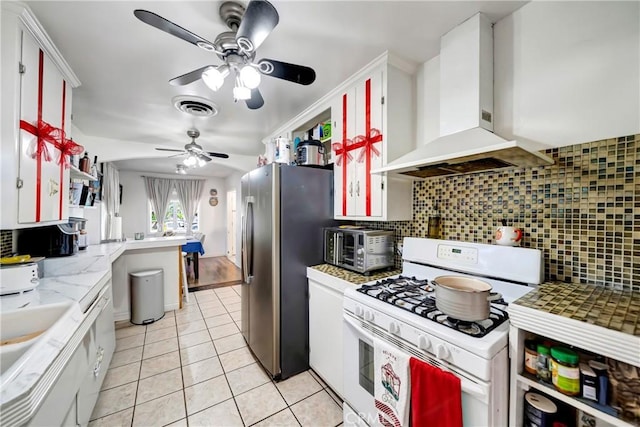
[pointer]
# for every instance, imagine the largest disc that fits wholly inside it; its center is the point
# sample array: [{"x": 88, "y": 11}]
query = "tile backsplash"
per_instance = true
[
  {"x": 6, "y": 242},
  {"x": 583, "y": 212}
]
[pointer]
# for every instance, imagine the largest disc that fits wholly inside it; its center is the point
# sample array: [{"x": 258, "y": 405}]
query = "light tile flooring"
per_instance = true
[{"x": 193, "y": 368}]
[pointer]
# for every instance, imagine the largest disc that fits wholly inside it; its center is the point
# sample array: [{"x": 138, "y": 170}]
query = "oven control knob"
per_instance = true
[
  {"x": 442, "y": 352},
  {"x": 359, "y": 311},
  {"x": 368, "y": 316},
  {"x": 394, "y": 328},
  {"x": 424, "y": 343}
]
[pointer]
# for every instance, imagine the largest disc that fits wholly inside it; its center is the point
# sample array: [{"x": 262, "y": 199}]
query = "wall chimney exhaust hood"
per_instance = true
[{"x": 467, "y": 143}]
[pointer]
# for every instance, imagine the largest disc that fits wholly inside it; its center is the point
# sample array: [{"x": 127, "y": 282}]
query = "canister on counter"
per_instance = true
[
  {"x": 565, "y": 374},
  {"x": 539, "y": 411},
  {"x": 530, "y": 356}
]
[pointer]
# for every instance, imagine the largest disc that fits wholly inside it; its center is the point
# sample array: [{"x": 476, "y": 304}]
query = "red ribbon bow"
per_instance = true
[
  {"x": 366, "y": 142},
  {"x": 67, "y": 148},
  {"x": 342, "y": 150},
  {"x": 44, "y": 133}
]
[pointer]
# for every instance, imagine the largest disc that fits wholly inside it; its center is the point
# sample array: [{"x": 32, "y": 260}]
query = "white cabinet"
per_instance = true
[
  {"x": 383, "y": 91},
  {"x": 36, "y": 88},
  {"x": 325, "y": 328},
  {"x": 373, "y": 122}
]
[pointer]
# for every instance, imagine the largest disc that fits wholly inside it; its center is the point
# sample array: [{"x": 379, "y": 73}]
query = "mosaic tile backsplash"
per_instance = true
[
  {"x": 6, "y": 242},
  {"x": 583, "y": 212}
]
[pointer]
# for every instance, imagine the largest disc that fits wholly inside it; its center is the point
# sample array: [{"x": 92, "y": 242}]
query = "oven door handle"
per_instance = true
[{"x": 466, "y": 385}]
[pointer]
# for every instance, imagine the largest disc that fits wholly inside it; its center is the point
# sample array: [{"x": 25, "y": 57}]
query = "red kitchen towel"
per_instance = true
[{"x": 436, "y": 396}]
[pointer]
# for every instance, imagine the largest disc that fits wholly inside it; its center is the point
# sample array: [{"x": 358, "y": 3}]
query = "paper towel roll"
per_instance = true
[{"x": 116, "y": 228}]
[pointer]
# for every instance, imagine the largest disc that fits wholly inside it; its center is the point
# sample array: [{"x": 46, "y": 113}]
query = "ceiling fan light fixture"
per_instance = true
[
  {"x": 201, "y": 162},
  {"x": 241, "y": 93},
  {"x": 250, "y": 77},
  {"x": 190, "y": 161},
  {"x": 214, "y": 77}
]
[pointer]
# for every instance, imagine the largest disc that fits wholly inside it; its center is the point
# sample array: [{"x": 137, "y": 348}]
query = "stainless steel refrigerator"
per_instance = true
[{"x": 284, "y": 209}]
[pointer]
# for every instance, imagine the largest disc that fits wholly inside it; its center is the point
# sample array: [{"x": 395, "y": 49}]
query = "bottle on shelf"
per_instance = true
[{"x": 85, "y": 163}]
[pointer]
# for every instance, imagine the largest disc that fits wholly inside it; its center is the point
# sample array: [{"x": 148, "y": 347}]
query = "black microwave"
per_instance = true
[{"x": 49, "y": 241}]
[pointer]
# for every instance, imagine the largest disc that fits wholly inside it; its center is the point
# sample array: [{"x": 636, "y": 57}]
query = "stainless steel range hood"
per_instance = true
[{"x": 467, "y": 143}]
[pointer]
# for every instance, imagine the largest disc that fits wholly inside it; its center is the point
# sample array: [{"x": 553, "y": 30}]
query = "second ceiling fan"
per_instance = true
[{"x": 237, "y": 49}]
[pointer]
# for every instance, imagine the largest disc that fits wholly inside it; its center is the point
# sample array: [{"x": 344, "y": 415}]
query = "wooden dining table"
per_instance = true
[{"x": 194, "y": 246}]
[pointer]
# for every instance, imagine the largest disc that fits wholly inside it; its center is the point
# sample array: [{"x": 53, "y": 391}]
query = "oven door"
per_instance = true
[{"x": 359, "y": 379}]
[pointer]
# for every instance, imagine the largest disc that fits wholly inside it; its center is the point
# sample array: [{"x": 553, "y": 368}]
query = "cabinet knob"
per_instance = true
[{"x": 358, "y": 188}]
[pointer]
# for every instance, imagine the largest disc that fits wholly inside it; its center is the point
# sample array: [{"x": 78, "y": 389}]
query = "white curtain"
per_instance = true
[
  {"x": 111, "y": 200},
  {"x": 158, "y": 192},
  {"x": 189, "y": 192}
]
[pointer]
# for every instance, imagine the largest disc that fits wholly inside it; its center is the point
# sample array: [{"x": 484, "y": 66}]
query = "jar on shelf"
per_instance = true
[
  {"x": 565, "y": 373},
  {"x": 530, "y": 356},
  {"x": 542, "y": 364}
]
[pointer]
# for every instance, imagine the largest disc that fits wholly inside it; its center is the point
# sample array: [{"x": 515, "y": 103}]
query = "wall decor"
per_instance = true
[
  {"x": 213, "y": 201},
  {"x": 213, "y": 192}
]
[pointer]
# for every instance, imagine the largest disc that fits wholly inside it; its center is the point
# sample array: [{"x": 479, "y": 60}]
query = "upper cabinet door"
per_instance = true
[
  {"x": 44, "y": 192},
  {"x": 343, "y": 116},
  {"x": 369, "y": 134}
]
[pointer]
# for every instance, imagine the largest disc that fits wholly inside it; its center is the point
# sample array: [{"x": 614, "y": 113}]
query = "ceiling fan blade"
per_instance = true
[
  {"x": 283, "y": 70},
  {"x": 170, "y": 149},
  {"x": 187, "y": 78},
  {"x": 175, "y": 155},
  {"x": 169, "y": 27},
  {"x": 256, "y": 101},
  {"x": 259, "y": 19},
  {"x": 214, "y": 154}
]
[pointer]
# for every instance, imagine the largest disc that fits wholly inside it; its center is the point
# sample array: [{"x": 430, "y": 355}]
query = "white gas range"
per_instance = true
[{"x": 402, "y": 312}]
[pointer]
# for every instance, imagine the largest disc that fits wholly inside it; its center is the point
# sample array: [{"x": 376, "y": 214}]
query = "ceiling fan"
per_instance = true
[
  {"x": 196, "y": 156},
  {"x": 237, "y": 49}
]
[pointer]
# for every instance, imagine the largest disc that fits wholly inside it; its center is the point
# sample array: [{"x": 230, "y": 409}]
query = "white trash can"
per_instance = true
[{"x": 147, "y": 296}]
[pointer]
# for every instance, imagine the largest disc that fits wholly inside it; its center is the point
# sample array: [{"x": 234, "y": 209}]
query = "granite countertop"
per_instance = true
[
  {"x": 352, "y": 276},
  {"x": 612, "y": 309}
]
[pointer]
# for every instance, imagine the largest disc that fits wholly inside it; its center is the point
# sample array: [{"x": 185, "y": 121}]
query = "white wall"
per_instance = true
[
  {"x": 568, "y": 72},
  {"x": 135, "y": 210},
  {"x": 233, "y": 183}
]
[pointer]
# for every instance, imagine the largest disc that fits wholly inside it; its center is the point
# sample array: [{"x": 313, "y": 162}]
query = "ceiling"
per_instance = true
[{"x": 124, "y": 65}]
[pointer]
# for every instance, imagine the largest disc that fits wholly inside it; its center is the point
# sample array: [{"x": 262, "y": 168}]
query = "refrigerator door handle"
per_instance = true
[
  {"x": 246, "y": 274},
  {"x": 249, "y": 237}
]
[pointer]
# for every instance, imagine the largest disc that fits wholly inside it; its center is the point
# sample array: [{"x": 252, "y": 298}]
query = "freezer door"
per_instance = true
[{"x": 264, "y": 286}]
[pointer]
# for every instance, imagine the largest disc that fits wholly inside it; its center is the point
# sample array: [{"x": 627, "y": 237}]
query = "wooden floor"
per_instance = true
[{"x": 215, "y": 272}]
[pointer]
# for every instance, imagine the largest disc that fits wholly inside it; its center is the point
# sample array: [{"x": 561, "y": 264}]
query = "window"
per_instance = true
[{"x": 174, "y": 218}]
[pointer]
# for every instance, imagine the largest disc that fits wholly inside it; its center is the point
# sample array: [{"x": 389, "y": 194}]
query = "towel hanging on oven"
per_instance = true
[
  {"x": 436, "y": 396},
  {"x": 392, "y": 384}
]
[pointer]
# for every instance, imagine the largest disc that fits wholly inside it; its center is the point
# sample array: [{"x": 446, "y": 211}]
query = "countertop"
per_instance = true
[
  {"x": 594, "y": 318},
  {"x": 597, "y": 305},
  {"x": 352, "y": 276},
  {"x": 77, "y": 278}
]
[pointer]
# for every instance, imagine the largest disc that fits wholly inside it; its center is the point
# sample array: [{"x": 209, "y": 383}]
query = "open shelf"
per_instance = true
[
  {"x": 605, "y": 413},
  {"x": 76, "y": 173}
]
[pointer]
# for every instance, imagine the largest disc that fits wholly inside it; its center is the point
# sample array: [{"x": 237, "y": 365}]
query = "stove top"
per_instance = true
[{"x": 418, "y": 296}]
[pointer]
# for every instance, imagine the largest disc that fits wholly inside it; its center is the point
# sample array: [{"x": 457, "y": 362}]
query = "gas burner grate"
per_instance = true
[{"x": 417, "y": 296}]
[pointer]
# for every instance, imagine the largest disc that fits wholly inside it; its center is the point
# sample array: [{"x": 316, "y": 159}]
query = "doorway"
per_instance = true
[{"x": 231, "y": 225}]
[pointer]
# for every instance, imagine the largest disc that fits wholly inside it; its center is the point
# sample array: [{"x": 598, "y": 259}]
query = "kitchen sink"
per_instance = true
[{"x": 21, "y": 329}]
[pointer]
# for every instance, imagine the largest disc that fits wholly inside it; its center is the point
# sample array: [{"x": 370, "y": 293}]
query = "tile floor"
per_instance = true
[{"x": 193, "y": 368}]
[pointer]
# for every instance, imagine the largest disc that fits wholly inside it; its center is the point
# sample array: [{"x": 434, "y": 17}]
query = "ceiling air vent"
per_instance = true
[{"x": 195, "y": 105}]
